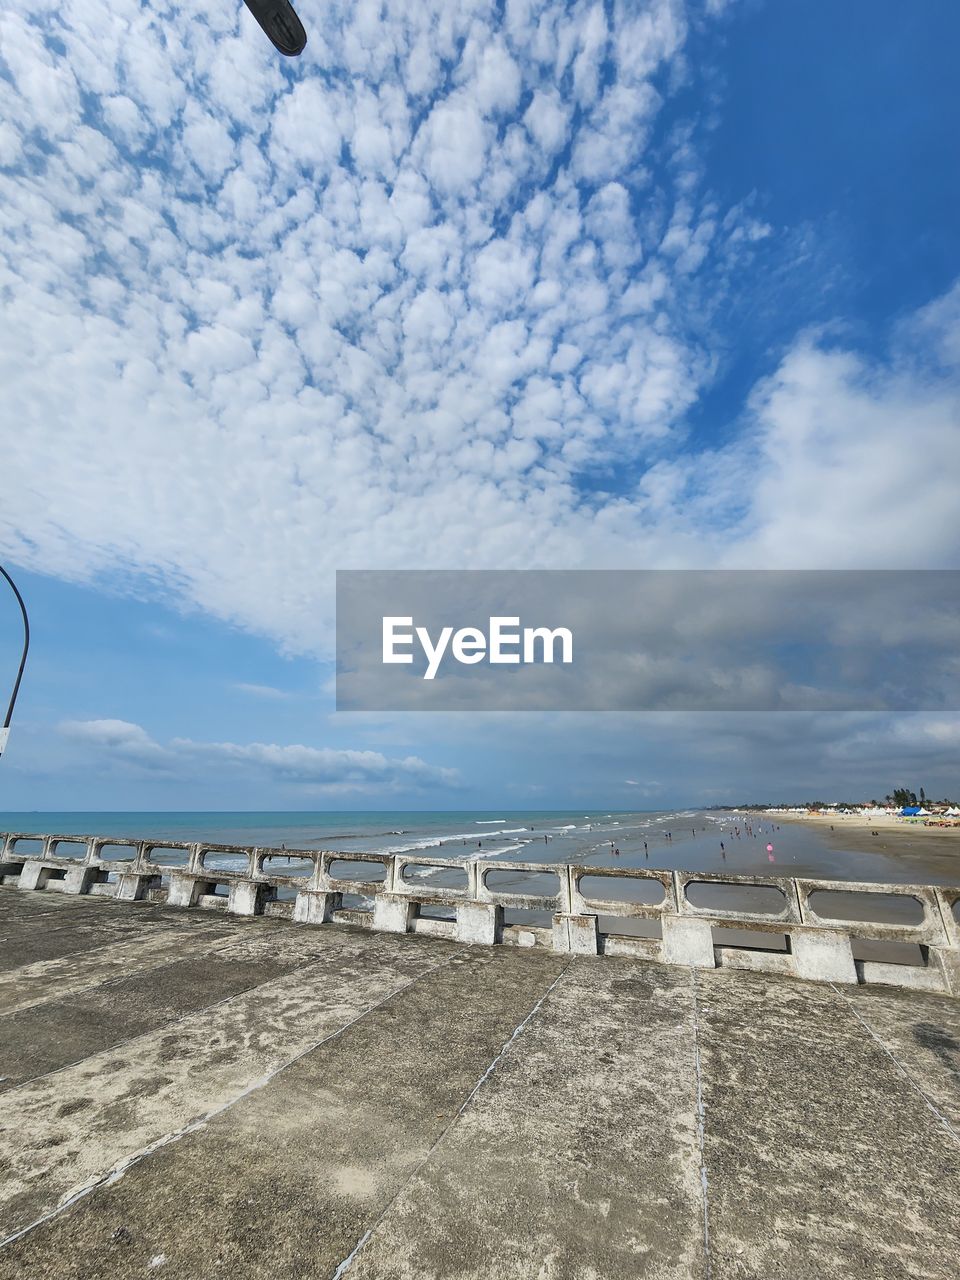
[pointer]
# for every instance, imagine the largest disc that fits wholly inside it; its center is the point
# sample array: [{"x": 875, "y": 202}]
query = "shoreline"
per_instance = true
[{"x": 934, "y": 849}]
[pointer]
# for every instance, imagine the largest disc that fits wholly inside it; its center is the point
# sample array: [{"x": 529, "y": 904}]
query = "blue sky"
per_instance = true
[{"x": 485, "y": 285}]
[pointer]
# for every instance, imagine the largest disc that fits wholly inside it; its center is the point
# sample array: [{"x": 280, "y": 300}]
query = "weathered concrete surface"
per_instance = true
[
  {"x": 283, "y": 1101},
  {"x": 822, "y": 1156},
  {"x": 579, "y": 1157}
]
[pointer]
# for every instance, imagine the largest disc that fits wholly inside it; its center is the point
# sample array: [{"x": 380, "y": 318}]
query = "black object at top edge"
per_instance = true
[{"x": 279, "y": 20}]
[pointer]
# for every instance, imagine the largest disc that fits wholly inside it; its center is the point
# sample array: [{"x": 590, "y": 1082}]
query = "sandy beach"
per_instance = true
[{"x": 925, "y": 849}]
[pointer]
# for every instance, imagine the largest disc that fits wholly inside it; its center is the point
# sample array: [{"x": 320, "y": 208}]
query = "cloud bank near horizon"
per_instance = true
[
  {"x": 682, "y": 758},
  {"x": 317, "y": 771}
]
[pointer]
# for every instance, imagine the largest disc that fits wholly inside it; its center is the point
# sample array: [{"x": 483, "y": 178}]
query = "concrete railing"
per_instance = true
[{"x": 775, "y": 924}]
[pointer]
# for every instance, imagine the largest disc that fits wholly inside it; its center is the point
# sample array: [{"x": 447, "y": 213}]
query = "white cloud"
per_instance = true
[
  {"x": 548, "y": 120},
  {"x": 127, "y": 742},
  {"x": 497, "y": 79},
  {"x": 262, "y": 691},
  {"x": 452, "y": 146},
  {"x": 323, "y": 769},
  {"x": 856, "y": 462},
  {"x": 305, "y": 133}
]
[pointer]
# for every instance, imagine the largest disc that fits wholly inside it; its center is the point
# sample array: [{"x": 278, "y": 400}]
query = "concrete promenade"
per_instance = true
[{"x": 191, "y": 1095}]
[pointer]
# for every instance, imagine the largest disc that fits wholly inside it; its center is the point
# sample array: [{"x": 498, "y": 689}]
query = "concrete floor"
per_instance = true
[{"x": 186, "y": 1095}]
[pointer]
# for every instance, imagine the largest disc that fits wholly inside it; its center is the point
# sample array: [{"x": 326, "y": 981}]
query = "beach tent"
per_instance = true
[
  {"x": 924, "y": 813},
  {"x": 910, "y": 811}
]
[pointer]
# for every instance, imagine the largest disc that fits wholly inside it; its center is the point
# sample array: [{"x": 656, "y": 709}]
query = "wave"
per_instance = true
[{"x": 498, "y": 853}]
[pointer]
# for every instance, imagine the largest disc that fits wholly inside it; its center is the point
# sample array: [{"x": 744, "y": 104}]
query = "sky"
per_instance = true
[{"x": 467, "y": 285}]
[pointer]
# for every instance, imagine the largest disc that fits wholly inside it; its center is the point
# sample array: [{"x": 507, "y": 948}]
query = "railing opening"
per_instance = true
[
  {"x": 527, "y": 916},
  {"x": 882, "y": 951},
  {"x": 283, "y": 864},
  {"x": 220, "y": 860},
  {"x": 630, "y": 926},
  {"x": 636, "y": 890},
  {"x": 356, "y": 902},
  {"x": 10, "y": 871},
  {"x": 876, "y": 908},
  {"x": 533, "y": 884},
  {"x": 117, "y": 852},
  {"x": 164, "y": 856},
  {"x": 436, "y": 911},
  {"x": 751, "y": 940},
  {"x": 434, "y": 876},
  {"x": 214, "y": 889},
  {"x": 76, "y": 849},
  {"x": 26, "y": 848},
  {"x": 281, "y": 893},
  {"x": 345, "y": 869},
  {"x": 756, "y": 899}
]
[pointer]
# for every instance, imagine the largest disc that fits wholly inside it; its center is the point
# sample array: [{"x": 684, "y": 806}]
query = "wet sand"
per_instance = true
[{"x": 926, "y": 851}]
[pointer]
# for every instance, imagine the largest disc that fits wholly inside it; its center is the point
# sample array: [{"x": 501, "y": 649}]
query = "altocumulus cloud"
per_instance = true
[
  {"x": 321, "y": 770},
  {"x": 388, "y": 305}
]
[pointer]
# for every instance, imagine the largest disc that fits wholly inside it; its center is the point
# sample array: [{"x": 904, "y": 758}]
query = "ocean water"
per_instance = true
[{"x": 677, "y": 839}]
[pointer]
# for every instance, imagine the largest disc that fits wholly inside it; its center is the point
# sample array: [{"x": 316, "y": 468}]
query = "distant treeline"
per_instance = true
[{"x": 897, "y": 799}]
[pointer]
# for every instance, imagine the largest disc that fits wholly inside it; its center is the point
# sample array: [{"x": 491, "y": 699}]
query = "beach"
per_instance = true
[{"x": 930, "y": 852}]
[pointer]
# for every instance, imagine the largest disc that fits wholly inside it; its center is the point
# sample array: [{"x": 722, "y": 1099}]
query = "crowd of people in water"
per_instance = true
[{"x": 736, "y": 832}]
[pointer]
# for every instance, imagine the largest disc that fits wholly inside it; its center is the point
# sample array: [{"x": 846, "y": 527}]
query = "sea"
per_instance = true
[{"x": 685, "y": 839}]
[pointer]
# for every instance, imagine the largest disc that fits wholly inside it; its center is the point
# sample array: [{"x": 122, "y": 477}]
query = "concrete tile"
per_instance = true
[
  {"x": 64, "y": 1130},
  {"x": 821, "y": 1160},
  {"x": 284, "y": 1183},
  {"x": 577, "y": 1158}
]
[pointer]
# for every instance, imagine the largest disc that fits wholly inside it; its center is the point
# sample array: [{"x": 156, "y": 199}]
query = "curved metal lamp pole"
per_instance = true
[{"x": 5, "y": 727}]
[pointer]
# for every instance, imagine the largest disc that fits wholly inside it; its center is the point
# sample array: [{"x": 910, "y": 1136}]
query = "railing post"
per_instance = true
[
  {"x": 823, "y": 955},
  {"x": 392, "y": 912},
  {"x": 479, "y": 923},
  {"x": 246, "y": 898},
  {"x": 948, "y": 957},
  {"x": 686, "y": 941},
  {"x": 577, "y": 935},
  {"x": 573, "y": 933}
]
